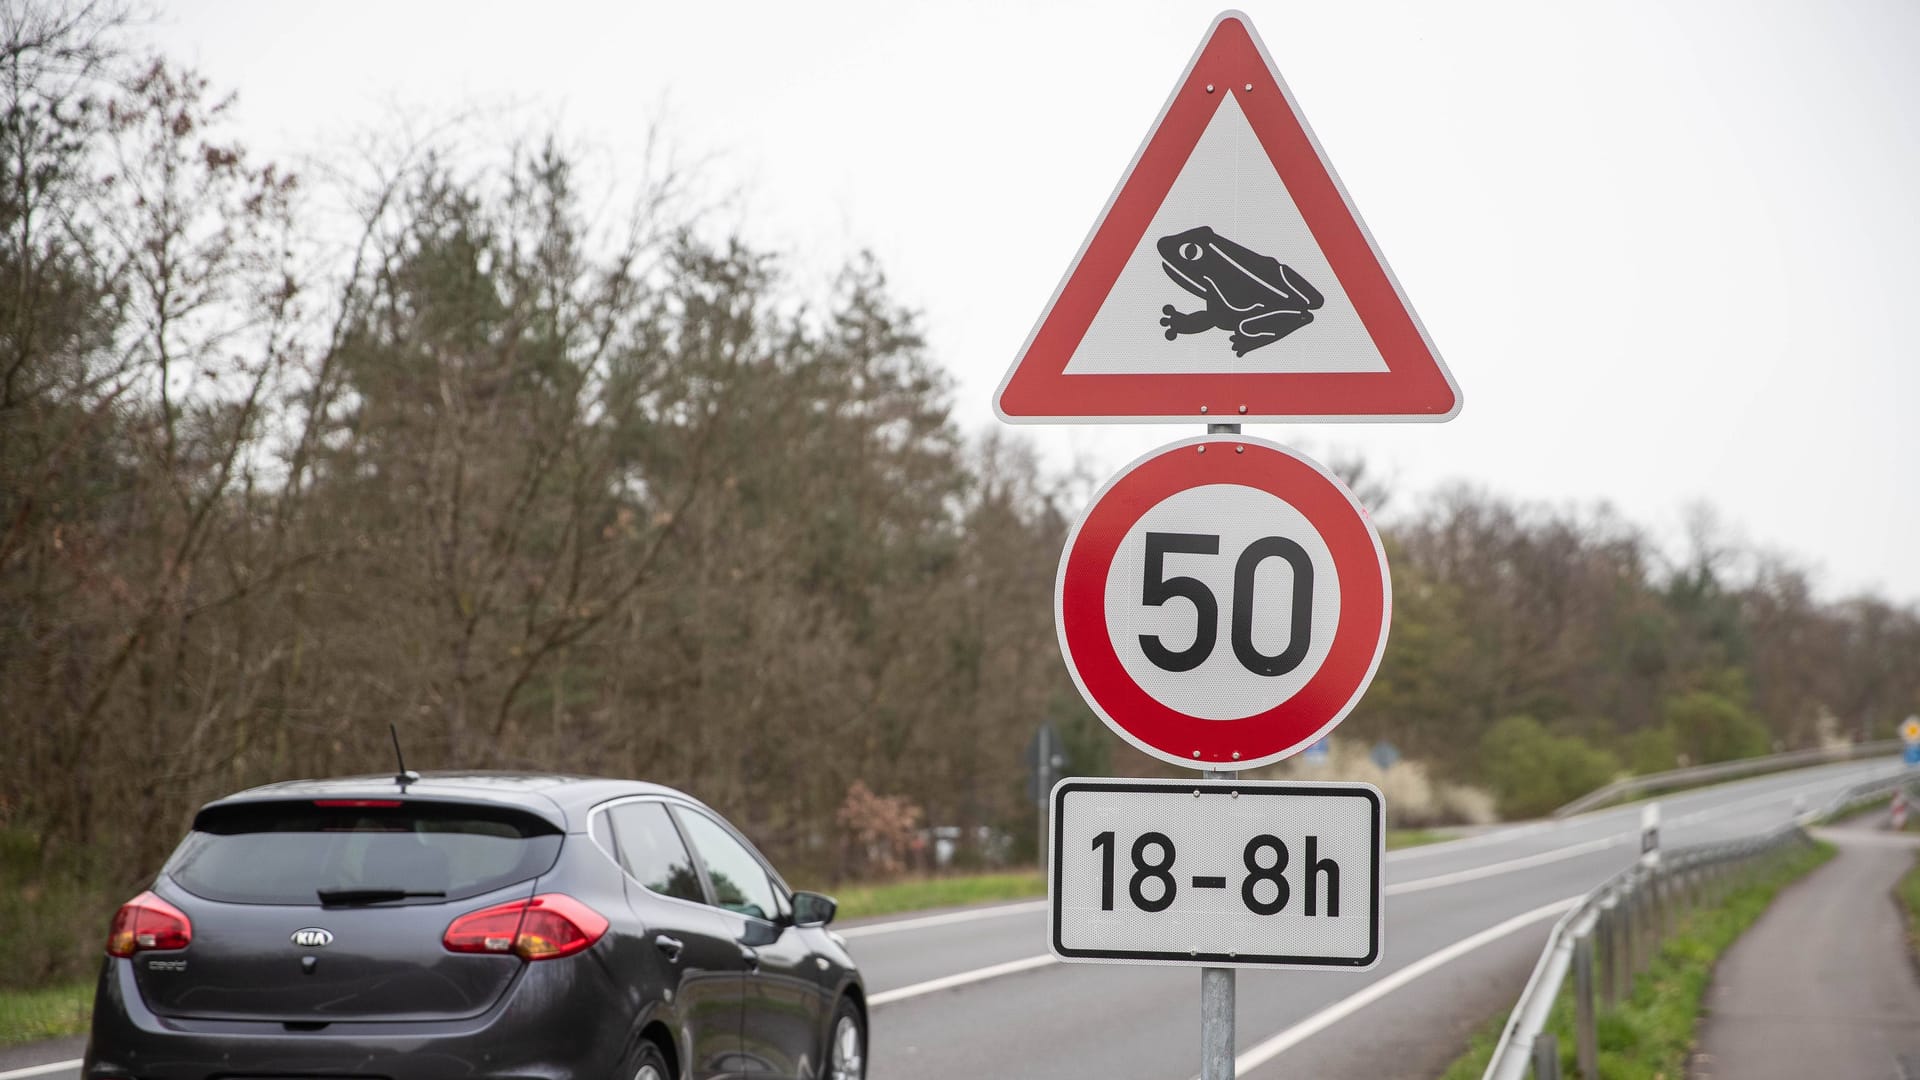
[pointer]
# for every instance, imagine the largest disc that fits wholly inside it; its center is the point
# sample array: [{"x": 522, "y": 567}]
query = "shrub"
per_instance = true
[
  {"x": 1710, "y": 726},
  {"x": 1532, "y": 771}
]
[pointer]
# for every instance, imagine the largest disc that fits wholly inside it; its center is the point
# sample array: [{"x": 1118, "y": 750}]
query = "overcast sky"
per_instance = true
[{"x": 1670, "y": 251}]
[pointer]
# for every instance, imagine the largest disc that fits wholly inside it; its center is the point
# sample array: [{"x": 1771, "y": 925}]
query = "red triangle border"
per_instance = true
[{"x": 1416, "y": 386}]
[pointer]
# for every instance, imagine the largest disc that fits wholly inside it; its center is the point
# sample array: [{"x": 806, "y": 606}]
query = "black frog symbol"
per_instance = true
[{"x": 1256, "y": 298}]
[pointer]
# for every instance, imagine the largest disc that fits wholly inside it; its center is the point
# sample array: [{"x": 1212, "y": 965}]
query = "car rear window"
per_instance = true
[{"x": 286, "y": 853}]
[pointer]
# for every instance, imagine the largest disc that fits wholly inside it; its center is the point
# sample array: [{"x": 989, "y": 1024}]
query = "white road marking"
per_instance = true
[
  {"x": 951, "y": 981},
  {"x": 1491, "y": 836},
  {"x": 1346, "y": 1007},
  {"x": 935, "y": 920},
  {"x": 1475, "y": 873},
  {"x": 39, "y": 1070}
]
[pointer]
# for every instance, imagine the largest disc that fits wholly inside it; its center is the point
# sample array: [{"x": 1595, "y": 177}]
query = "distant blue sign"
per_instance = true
[
  {"x": 1384, "y": 754},
  {"x": 1912, "y": 754},
  {"x": 1317, "y": 753}
]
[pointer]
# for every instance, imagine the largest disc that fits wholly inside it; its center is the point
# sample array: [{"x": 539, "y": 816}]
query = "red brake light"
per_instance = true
[
  {"x": 148, "y": 922},
  {"x": 356, "y": 802},
  {"x": 549, "y": 925}
]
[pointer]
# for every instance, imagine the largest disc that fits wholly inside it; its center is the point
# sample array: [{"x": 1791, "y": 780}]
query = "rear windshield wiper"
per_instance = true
[{"x": 370, "y": 896}]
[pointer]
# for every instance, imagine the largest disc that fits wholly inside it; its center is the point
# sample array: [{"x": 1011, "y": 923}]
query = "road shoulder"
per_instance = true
[
  {"x": 27, "y": 1055},
  {"x": 1821, "y": 985}
]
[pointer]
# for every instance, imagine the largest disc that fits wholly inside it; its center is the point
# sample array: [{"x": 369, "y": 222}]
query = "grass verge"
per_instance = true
[
  {"x": 1651, "y": 1036},
  {"x": 1909, "y": 893},
  {"x": 31, "y": 1015},
  {"x": 1405, "y": 838},
  {"x": 914, "y": 894}
]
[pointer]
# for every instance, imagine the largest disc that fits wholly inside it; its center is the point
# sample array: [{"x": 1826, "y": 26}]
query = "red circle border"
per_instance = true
[{"x": 1359, "y": 639}]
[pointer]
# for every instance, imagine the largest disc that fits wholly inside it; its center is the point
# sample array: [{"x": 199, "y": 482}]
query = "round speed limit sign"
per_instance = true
[{"x": 1223, "y": 603}]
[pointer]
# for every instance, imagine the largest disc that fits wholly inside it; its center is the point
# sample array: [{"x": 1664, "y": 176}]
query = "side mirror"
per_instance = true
[{"x": 813, "y": 909}]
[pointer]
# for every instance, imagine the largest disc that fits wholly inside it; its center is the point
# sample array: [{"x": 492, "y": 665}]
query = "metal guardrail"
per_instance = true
[
  {"x": 1615, "y": 931},
  {"x": 1725, "y": 770}
]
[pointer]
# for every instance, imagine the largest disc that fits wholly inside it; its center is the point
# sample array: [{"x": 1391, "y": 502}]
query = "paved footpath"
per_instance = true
[{"x": 1822, "y": 985}]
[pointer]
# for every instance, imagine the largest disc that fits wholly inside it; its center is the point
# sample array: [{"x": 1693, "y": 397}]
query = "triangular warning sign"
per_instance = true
[{"x": 1229, "y": 278}]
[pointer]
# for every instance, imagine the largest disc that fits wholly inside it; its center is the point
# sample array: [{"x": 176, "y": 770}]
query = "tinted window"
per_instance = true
[
  {"x": 739, "y": 882},
  {"x": 651, "y": 851},
  {"x": 284, "y": 853}
]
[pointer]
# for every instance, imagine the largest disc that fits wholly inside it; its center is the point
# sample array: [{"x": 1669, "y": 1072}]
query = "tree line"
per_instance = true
[{"x": 549, "y": 486}]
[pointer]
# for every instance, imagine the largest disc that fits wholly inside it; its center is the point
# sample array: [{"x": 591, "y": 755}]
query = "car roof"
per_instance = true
[{"x": 560, "y": 798}]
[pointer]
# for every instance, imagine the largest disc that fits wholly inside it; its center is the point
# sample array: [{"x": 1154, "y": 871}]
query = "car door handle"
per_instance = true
[
  {"x": 670, "y": 946},
  {"x": 751, "y": 957}
]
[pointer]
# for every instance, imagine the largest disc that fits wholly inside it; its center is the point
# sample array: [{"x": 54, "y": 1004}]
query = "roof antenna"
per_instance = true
[{"x": 405, "y": 776}]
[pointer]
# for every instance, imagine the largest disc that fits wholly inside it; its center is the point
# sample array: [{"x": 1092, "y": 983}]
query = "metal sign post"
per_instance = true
[
  {"x": 1224, "y": 602},
  {"x": 1217, "y": 1000},
  {"x": 1216, "y": 983}
]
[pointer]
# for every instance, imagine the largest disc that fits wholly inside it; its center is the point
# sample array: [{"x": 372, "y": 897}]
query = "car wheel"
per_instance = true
[
  {"x": 847, "y": 1048},
  {"x": 647, "y": 1063}
]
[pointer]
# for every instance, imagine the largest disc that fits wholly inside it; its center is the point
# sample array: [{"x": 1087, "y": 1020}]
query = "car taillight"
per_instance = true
[
  {"x": 549, "y": 925},
  {"x": 148, "y": 922}
]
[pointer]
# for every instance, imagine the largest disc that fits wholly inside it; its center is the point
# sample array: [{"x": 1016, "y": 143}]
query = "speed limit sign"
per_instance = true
[{"x": 1223, "y": 603}]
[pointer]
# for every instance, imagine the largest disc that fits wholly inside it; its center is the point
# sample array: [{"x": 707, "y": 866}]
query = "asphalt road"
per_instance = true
[
  {"x": 1464, "y": 922},
  {"x": 974, "y": 992}
]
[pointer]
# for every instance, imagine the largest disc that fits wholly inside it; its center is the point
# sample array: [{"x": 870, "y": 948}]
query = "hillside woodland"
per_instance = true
[{"x": 554, "y": 473}]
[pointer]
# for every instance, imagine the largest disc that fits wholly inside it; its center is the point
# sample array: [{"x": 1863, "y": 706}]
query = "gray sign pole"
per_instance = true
[
  {"x": 1216, "y": 983},
  {"x": 1216, "y": 1005},
  {"x": 1043, "y": 783}
]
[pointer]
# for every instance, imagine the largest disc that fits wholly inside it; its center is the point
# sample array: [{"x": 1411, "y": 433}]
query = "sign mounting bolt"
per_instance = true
[
  {"x": 1202, "y": 450},
  {"x": 1196, "y": 753},
  {"x": 1239, "y": 450},
  {"x": 1203, "y": 410},
  {"x": 1236, "y": 753},
  {"x": 1243, "y": 410},
  {"x": 1209, "y": 88}
]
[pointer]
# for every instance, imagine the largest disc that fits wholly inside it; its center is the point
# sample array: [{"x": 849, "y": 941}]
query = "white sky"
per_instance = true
[{"x": 1669, "y": 250}]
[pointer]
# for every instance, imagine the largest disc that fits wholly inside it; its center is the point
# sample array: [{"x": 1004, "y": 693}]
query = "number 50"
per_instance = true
[{"x": 1157, "y": 589}]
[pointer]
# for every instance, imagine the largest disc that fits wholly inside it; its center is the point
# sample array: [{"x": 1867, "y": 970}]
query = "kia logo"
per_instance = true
[{"x": 312, "y": 937}]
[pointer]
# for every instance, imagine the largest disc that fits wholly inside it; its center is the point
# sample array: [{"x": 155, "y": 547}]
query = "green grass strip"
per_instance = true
[
  {"x": 1909, "y": 893},
  {"x": 1651, "y": 1036},
  {"x": 31, "y": 1015},
  {"x": 915, "y": 894}
]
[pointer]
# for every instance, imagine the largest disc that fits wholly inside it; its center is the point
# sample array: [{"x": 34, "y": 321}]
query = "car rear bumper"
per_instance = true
[{"x": 552, "y": 1025}]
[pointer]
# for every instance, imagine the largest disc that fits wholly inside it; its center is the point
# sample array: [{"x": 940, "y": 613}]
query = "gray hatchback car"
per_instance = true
[{"x": 496, "y": 926}]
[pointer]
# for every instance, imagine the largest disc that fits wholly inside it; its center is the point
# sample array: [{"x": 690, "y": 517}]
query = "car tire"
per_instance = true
[
  {"x": 846, "y": 1056},
  {"x": 646, "y": 1063}
]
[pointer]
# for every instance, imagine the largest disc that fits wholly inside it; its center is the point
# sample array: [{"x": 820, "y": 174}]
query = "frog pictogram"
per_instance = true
[{"x": 1256, "y": 298}]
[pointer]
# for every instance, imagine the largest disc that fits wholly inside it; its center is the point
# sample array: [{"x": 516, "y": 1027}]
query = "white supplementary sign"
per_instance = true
[{"x": 1220, "y": 873}]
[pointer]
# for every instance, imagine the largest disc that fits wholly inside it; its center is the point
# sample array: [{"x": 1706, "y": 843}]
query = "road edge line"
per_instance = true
[
  {"x": 40, "y": 1070},
  {"x": 1508, "y": 866},
  {"x": 966, "y": 915},
  {"x": 1340, "y": 1010},
  {"x": 947, "y": 982}
]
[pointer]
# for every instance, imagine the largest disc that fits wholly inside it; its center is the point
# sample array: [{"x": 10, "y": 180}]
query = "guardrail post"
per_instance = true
[
  {"x": 1546, "y": 1057},
  {"x": 1642, "y": 916},
  {"x": 1606, "y": 926},
  {"x": 1627, "y": 944},
  {"x": 1586, "y": 1044},
  {"x": 1663, "y": 895}
]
